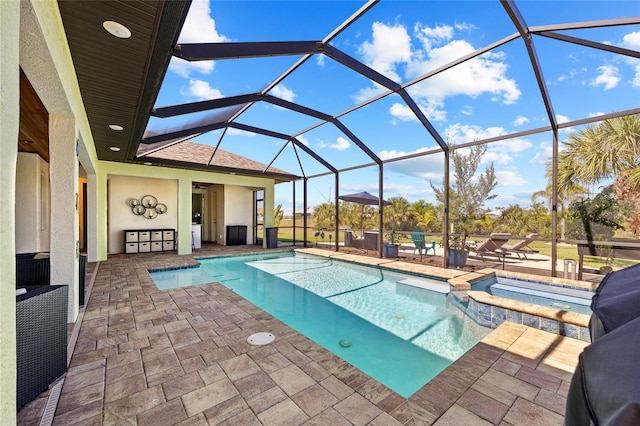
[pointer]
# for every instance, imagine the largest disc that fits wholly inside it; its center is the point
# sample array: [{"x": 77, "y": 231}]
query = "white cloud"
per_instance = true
[
  {"x": 283, "y": 92},
  {"x": 367, "y": 93},
  {"x": 463, "y": 133},
  {"x": 390, "y": 46},
  {"x": 231, "y": 131},
  {"x": 402, "y": 112},
  {"x": 429, "y": 167},
  {"x": 520, "y": 120},
  {"x": 390, "y": 51},
  {"x": 201, "y": 90},
  {"x": 500, "y": 152},
  {"x": 632, "y": 41},
  {"x": 543, "y": 154},
  {"x": 609, "y": 77},
  {"x": 564, "y": 119},
  {"x": 429, "y": 36},
  {"x": 467, "y": 110},
  {"x": 422, "y": 192},
  {"x": 303, "y": 140},
  {"x": 185, "y": 68},
  {"x": 340, "y": 144},
  {"x": 509, "y": 178},
  {"x": 199, "y": 27}
]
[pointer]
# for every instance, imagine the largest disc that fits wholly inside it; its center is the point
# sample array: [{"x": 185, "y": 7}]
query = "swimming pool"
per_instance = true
[
  {"x": 538, "y": 293},
  {"x": 399, "y": 334}
]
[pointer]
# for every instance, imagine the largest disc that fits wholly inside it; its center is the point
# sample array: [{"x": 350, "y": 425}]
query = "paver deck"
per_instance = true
[{"x": 145, "y": 356}]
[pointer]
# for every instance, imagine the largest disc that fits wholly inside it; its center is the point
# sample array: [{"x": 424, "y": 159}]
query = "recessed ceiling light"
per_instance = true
[
  {"x": 114, "y": 148},
  {"x": 115, "y": 127},
  {"x": 116, "y": 29}
]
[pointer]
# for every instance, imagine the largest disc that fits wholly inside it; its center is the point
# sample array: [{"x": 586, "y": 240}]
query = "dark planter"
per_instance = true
[
  {"x": 390, "y": 250},
  {"x": 458, "y": 258}
]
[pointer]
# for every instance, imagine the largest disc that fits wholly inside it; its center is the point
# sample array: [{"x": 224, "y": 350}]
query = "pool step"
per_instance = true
[{"x": 440, "y": 287}]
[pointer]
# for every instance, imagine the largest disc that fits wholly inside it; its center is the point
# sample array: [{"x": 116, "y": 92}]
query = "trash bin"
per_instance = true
[
  {"x": 570, "y": 269},
  {"x": 271, "y": 234}
]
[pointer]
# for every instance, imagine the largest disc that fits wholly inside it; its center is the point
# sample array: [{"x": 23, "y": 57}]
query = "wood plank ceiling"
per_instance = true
[{"x": 34, "y": 121}]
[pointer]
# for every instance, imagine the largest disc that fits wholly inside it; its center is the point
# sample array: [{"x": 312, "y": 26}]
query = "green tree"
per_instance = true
[
  {"x": 521, "y": 221},
  {"x": 397, "y": 214},
  {"x": 607, "y": 150},
  {"x": 469, "y": 191},
  {"x": 565, "y": 195},
  {"x": 278, "y": 214},
  {"x": 595, "y": 219},
  {"x": 324, "y": 216},
  {"x": 425, "y": 216}
]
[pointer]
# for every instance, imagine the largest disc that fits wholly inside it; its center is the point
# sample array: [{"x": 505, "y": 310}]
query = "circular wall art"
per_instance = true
[
  {"x": 138, "y": 210},
  {"x": 149, "y": 201},
  {"x": 147, "y": 206},
  {"x": 151, "y": 214}
]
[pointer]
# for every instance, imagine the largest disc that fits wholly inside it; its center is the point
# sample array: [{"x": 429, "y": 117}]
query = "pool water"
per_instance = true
[
  {"x": 538, "y": 293},
  {"x": 400, "y": 335}
]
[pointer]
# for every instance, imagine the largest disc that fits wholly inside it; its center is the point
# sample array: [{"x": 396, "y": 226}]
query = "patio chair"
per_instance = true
[
  {"x": 350, "y": 240},
  {"x": 493, "y": 246},
  {"x": 420, "y": 244},
  {"x": 520, "y": 248}
]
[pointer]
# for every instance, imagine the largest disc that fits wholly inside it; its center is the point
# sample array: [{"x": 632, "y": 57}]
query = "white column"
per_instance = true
[
  {"x": 269, "y": 196},
  {"x": 184, "y": 216},
  {"x": 64, "y": 207},
  {"x": 10, "y": 119},
  {"x": 96, "y": 217}
]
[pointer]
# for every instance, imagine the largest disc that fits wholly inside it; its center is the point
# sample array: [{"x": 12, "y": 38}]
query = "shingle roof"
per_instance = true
[{"x": 191, "y": 152}]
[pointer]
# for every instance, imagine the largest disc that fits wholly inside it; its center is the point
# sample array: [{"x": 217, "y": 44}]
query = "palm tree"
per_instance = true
[
  {"x": 565, "y": 196},
  {"x": 610, "y": 149},
  {"x": 324, "y": 216},
  {"x": 397, "y": 214},
  {"x": 426, "y": 218}
]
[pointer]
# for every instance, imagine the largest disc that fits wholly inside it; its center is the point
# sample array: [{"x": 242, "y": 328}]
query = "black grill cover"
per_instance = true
[
  {"x": 617, "y": 300},
  {"x": 605, "y": 389}
]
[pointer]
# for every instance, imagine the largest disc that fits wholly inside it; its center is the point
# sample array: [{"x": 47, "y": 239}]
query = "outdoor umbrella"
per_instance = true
[{"x": 365, "y": 199}]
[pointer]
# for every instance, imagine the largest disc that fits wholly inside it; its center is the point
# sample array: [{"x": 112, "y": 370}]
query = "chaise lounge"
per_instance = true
[
  {"x": 493, "y": 246},
  {"x": 520, "y": 248}
]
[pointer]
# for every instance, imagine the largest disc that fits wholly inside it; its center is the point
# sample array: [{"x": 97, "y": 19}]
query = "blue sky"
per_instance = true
[{"x": 492, "y": 95}]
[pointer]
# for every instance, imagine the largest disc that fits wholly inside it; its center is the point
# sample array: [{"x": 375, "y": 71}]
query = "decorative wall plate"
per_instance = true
[
  {"x": 150, "y": 213},
  {"x": 149, "y": 201},
  {"x": 138, "y": 210}
]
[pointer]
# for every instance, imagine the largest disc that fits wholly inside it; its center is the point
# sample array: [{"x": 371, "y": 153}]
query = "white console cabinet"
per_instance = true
[{"x": 149, "y": 240}]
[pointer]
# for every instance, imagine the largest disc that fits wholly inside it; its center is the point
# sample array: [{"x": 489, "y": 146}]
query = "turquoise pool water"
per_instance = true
[
  {"x": 400, "y": 335},
  {"x": 538, "y": 293}
]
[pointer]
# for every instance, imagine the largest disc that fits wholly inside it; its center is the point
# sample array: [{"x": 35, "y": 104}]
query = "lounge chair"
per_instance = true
[
  {"x": 493, "y": 246},
  {"x": 421, "y": 244},
  {"x": 520, "y": 248}
]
